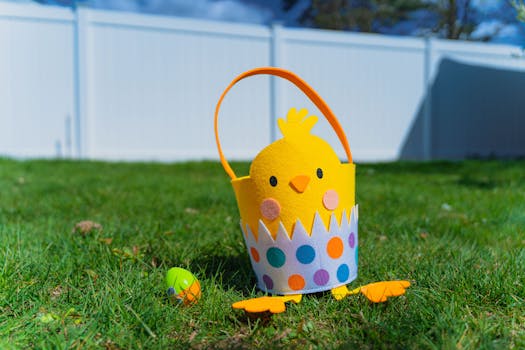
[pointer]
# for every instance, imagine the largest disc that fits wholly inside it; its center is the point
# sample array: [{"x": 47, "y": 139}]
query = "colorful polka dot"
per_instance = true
[
  {"x": 330, "y": 199},
  {"x": 268, "y": 282},
  {"x": 342, "y": 273},
  {"x": 255, "y": 254},
  {"x": 275, "y": 257},
  {"x": 270, "y": 209},
  {"x": 356, "y": 255},
  {"x": 296, "y": 282},
  {"x": 334, "y": 248},
  {"x": 351, "y": 240},
  {"x": 321, "y": 277},
  {"x": 305, "y": 254}
]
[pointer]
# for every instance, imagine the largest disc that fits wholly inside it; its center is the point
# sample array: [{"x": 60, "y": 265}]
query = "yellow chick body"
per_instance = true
[{"x": 293, "y": 179}]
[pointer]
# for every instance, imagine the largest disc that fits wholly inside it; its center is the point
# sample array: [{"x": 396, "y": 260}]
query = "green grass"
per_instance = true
[{"x": 456, "y": 230}]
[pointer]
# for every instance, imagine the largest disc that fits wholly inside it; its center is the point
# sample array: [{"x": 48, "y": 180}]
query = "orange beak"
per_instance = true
[{"x": 299, "y": 183}]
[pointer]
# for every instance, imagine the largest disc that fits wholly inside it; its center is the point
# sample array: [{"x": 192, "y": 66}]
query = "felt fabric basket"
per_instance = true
[{"x": 297, "y": 204}]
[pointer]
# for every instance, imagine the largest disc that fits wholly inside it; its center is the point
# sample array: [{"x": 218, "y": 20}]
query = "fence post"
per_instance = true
[
  {"x": 80, "y": 57},
  {"x": 275, "y": 90},
  {"x": 427, "y": 114}
]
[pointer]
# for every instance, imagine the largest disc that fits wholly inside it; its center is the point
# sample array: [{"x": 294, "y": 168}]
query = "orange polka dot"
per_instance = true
[
  {"x": 334, "y": 248},
  {"x": 255, "y": 254},
  {"x": 296, "y": 282}
]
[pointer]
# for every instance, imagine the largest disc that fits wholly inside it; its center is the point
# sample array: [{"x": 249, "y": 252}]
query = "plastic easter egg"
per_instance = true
[{"x": 182, "y": 285}]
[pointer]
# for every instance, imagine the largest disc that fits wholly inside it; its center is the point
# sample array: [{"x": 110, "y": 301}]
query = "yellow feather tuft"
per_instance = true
[{"x": 297, "y": 124}]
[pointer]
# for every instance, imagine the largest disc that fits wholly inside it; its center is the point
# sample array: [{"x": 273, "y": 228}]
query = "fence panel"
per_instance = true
[
  {"x": 153, "y": 84},
  {"x": 36, "y": 88},
  {"x": 110, "y": 85},
  {"x": 477, "y": 100},
  {"x": 373, "y": 83}
]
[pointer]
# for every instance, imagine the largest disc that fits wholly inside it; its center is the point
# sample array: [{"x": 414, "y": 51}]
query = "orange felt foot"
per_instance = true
[
  {"x": 380, "y": 291},
  {"x": 275, "y": 304},
  {"x": 342, "y": 292}
]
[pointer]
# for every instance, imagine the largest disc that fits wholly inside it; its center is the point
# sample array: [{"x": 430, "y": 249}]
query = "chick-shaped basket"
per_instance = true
[{"x": 297, "y": 208}]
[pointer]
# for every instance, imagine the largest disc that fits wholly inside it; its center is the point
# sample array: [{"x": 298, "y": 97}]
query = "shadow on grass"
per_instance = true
[
  {"x": 404, "y": 167},
  {"x": 479, "y": 182},
  {"x": 475, "y": 174},
  {"x": 231, "y": 270}
]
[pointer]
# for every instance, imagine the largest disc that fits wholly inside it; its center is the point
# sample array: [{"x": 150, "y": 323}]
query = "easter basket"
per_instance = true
[{"x": 297, "y": 205}]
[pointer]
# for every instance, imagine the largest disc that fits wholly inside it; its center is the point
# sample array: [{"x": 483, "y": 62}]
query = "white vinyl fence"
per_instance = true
[{"x": 109, "y": 85}]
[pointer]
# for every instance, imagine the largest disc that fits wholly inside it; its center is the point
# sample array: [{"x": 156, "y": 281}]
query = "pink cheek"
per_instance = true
[
  {"x": 330, "y": 199},
  {"x": 270, "y": 209}
]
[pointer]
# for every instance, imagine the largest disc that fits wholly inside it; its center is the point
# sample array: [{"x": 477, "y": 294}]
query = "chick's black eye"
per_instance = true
[
  {"x": 273, "y": 181},
  {"x": 320, "y": 173}
]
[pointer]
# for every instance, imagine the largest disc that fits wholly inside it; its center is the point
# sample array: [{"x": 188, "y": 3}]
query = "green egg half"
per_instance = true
[{"x": 179, "y": 279}]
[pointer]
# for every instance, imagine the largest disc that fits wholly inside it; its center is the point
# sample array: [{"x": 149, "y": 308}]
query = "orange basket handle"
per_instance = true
[{"x": 303, "y": 86}]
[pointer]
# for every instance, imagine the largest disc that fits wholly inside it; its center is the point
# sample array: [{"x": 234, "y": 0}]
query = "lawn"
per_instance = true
[{"x": 455, "y": 230}]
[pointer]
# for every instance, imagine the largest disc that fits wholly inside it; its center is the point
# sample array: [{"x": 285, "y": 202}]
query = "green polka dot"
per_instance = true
[{"x": 275, "y": 257}]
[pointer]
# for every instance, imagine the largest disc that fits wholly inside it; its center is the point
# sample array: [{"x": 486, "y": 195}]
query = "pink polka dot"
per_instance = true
[
  {"x": 270, "y": 209},
  {"x": 330, "y": 199}
]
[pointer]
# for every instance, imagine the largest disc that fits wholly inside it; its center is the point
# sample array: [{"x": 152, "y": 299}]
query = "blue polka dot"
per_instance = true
[
  {"x": 275, "y": 257},
  {"x": 305, "y": 254},
  {"x": 342, "y": 273}
]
